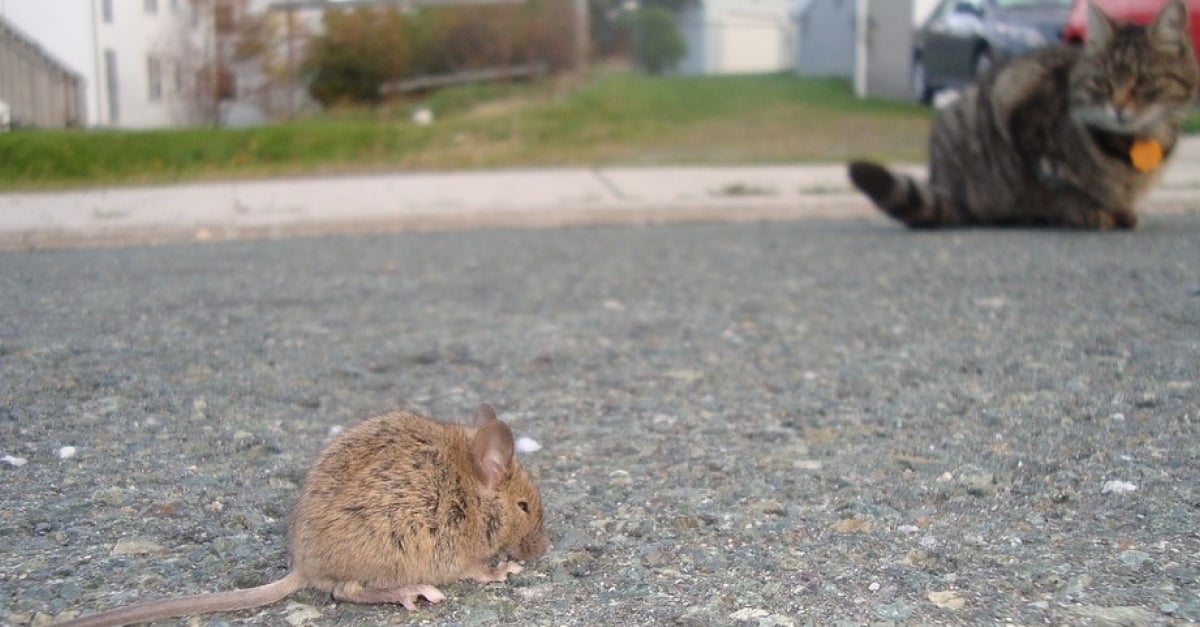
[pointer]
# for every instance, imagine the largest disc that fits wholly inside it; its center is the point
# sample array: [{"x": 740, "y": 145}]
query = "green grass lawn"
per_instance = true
[{"x": 618, "y": 118}]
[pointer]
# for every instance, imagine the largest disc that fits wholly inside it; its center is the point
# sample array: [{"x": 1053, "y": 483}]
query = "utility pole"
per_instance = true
[
  {"x": 291, "y": 64},
  {"x": 582, "y": 36}
]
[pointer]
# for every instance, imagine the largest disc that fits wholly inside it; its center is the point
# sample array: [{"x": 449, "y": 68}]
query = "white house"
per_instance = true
[
  {"x": 736, "y": 36},
  {"x": 149, "y": 56}
]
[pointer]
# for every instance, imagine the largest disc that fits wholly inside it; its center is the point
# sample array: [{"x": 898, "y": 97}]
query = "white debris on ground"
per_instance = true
[
  {"x": 67, "y": 452},
  {"x": 15, "y": 462},
  {"x": 527, "y": 445},
  {"x": 422, "y": 116}
]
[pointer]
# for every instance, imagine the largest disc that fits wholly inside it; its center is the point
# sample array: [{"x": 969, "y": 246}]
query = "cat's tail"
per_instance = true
[{"x": 899, "y": 196}]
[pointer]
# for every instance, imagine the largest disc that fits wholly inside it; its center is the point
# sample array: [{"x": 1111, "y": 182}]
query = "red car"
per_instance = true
[{"x": 1136, "y": 11}]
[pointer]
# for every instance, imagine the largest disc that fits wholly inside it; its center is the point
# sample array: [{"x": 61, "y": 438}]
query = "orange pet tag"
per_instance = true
[{"x": 1145, "y": 154}]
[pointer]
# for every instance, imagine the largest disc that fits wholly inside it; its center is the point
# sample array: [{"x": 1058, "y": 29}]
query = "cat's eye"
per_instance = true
[{"x": 524, "y": 505}]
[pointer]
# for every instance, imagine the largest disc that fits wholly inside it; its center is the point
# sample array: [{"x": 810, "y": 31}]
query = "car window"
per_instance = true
[
  {"x": 974, "y": 5},
  {"x": 945, "y": 8}
]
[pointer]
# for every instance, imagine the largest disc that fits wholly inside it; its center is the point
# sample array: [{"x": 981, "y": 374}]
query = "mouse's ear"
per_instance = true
[
  {"x": 484, "y": 413},
  {"x": 492, "y": 449}
]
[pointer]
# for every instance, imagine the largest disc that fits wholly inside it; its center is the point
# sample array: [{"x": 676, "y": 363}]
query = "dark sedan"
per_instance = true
[{"x": 963, "y": 38}]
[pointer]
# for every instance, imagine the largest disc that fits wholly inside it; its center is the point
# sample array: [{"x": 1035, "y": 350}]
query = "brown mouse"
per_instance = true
[{"x": 394, "y": 506}]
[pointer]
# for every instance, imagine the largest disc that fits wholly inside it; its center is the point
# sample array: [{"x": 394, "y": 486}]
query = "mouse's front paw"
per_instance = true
[{"x": 500, "y": 572}]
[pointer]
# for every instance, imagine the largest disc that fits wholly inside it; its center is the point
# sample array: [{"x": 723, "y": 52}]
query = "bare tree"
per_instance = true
[{"x": 220, "y": 51}]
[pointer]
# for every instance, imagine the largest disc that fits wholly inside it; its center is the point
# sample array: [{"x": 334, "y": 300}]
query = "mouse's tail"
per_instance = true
[{"x": 198, "y": 604}]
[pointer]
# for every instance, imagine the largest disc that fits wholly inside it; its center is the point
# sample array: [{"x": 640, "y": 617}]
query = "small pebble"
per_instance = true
[
  {"x": 947, "y": 599},
  {"x": 1118, "y": 487},
  {"x": 300, "y": 614},
  {"x": 15, "y": 462},
  {"x": 749, "y": 613},
  {"x": 136, "y": 546},
  {"x": 66, "y": 452},
  {"x": 1134, "y": 558}
]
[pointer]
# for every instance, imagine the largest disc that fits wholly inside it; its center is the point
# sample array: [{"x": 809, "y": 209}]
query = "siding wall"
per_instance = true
[{"x": 38, "y": 90}]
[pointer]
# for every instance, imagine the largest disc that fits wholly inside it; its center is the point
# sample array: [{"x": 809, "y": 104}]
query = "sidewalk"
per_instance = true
[{"x": 426, "y": 201}]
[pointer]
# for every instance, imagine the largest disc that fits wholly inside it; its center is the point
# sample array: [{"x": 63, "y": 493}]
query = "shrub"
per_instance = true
[
  {"x": 364, "y": 49},
  {"x": 657, "y": 44}
]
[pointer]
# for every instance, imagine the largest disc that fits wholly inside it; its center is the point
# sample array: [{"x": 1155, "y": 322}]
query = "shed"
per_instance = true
[{"x": 736, "y": 36}]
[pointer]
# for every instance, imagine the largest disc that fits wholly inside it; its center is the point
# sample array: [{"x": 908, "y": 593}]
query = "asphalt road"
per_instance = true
[{"x": 764, "y": 423}]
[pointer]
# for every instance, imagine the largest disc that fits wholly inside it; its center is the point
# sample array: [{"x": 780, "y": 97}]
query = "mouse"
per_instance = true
[{"x": 392, "y": 507}]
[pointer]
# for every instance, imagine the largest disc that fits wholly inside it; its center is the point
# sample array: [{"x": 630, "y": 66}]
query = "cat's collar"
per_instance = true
[{"x": 1140, "y": 153}]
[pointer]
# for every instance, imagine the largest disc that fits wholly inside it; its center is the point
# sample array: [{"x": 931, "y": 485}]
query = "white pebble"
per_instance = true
[
  {"x": 66, "y": 452},
  {"x": 1118, "y": 487},
  {"x": 334, "y": 430},
  {"x": 527, "y": 445},
  {"x": 15, "y": 462}
]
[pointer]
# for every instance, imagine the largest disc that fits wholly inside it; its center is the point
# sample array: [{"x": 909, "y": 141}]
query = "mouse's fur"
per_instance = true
[{"x": 392, "y": 507}]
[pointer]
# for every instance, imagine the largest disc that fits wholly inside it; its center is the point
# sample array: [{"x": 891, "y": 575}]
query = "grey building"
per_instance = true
[
  {"x": 35, "y": 88},
  {"x": 824, "y": 37},
  {"x": 868, "y": 41}
]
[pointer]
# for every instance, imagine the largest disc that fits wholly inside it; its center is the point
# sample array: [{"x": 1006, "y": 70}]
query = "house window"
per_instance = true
[
  {"x": 225, "y": 18},
  {"x": 110, "y": 76},
  {"x": 106, "y": 11},
  {"x": 154, "y": 74},
  {"x": 150, "y": 6},
  {"x": 226, "y": 84}
]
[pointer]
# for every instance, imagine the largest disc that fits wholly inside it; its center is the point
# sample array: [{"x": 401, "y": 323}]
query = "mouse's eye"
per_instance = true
[{"x": 524, "y": 505}]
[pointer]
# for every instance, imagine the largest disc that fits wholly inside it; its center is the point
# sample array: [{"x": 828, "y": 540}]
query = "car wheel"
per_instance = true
[
  {"x": 919, "y": 83},
  {"x": 982, "y": 63}
]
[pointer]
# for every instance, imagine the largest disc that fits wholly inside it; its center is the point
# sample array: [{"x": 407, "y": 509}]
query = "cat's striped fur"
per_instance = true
[{"x": 1045, "y": 139}]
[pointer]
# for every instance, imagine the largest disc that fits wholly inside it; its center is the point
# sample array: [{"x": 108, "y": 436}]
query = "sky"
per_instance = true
[{"x": 69, "y": 42}]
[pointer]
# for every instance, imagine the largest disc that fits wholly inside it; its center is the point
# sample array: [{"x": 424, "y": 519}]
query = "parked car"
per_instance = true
[
  {"x": 1136, "y": 11},
  {"x": 963, "y": 38}
]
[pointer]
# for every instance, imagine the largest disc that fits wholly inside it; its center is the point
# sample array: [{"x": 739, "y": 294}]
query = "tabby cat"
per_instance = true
[{"x": 1062, "y": 137}]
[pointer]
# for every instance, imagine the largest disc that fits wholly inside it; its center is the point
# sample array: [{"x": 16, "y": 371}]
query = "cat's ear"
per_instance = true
[
  {"x": 1169, "y": 29},
  {"x": 1099, "y": 29}
]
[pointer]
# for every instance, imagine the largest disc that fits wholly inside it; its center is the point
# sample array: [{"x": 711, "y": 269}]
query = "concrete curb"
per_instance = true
[{"x": 286, "y": 207}]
